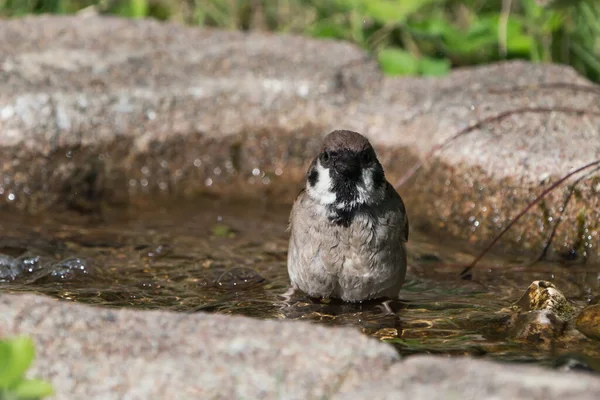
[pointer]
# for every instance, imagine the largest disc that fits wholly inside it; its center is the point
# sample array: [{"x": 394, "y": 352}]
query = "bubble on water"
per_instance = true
[
  {"x": 68, "y": 269},
  {"x": 10, "y": 268},
  {"x": 31, "y": 263},
  {"x": 197, "y": 162},
  {"x": 256, "y": 172},
  {"x": 208, "y": 182},
  {"x": 11, "y": 196},
  {"x": 160, "y": 251}
]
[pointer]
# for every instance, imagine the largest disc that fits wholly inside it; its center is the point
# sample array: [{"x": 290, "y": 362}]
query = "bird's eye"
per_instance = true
[
  {"x": 366, "y": 157},
  {"x": 325, "y": 156}
]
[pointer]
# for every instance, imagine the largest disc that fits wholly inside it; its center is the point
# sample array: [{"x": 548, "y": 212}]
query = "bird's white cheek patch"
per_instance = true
[
  {"x": 367, "y": 192},
  {"x": 321, "y": 191}
]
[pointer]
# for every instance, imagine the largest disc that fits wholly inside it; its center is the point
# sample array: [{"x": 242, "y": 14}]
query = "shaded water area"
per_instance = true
[{"x": 230, "y": 258}]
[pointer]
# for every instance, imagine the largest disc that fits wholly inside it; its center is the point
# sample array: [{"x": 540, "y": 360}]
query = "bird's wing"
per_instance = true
[
  {"x": 405, "y": 227},
  {"x": 399, "y": 206},
  {"x": 298, "y": 197}
]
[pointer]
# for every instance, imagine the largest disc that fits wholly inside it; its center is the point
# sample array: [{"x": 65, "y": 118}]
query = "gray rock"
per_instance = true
[
  {"x": 89, "y": 352},
  {"x": 429, "y": 377},
  {"x": 92, "y": 352},
  {"x": 97, "y": 111}
]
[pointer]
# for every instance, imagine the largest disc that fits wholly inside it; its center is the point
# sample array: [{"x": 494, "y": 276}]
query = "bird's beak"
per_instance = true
[{"x": 348, "y": 166}]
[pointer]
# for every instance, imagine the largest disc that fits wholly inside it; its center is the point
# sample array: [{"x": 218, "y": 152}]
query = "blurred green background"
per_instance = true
[{"x": 409, "y": 37}]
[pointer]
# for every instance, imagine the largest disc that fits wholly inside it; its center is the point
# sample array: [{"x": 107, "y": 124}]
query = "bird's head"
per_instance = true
[{"x": 346, "y": 174}]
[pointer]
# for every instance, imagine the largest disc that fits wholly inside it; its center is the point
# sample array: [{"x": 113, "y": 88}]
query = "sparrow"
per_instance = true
[{"x": 348, "y": 225}]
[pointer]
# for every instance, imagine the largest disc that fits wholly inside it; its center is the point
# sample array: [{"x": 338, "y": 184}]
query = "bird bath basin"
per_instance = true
[{"x": 230, "y": 258}]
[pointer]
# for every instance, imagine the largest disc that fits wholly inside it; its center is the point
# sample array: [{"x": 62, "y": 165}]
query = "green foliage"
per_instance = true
[
  {"x": 409, "y": 37},
  {"x": 396, "y": 61},
  {"x": 16, "y": 356},
  {"x": 131, "y": 8}
]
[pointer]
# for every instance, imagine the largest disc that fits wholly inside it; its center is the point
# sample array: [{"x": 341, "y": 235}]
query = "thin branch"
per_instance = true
[
  {"x": 523, "y": 212},
  {"x": 559, "y": 219}
]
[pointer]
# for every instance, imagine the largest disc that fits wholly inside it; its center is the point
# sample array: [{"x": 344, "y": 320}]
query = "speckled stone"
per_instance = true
[
  {"x": 93, "y": 352},
  {"x": 588, "y": 321},
  {"x": 90, "y": 352},
  {"x": 429, "y": 377},
  {"x": 99, "y": 110}
]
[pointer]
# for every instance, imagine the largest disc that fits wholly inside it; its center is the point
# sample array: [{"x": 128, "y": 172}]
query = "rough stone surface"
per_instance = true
[
  {"x": 428, "y": 377},
  {"x": 92, "y": 352},
  {"x": 124, "y": 354},
  {"x": 97, "y": 110},
  {"x": 588, "y": 321}
]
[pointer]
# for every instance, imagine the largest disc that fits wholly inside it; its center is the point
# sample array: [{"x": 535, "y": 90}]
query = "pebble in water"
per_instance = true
[{"x": 588, "y": 321}]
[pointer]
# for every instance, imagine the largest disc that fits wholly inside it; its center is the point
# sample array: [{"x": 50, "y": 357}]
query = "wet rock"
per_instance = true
[
  {"x": 538, "y": 327},
  {"x": 544, "y": 296},
  {"x": 428, "y": 377},
  {"x": 87, "y": 120},
  {"x": 542, "y": 314},
  {"x": 588, "y": 321}
]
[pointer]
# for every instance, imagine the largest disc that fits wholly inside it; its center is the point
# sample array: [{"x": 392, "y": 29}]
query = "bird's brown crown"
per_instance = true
[{"x": 346, "y": 140}]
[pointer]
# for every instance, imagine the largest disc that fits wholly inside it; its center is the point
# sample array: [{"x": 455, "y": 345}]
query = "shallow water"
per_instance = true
[{"x": 231, "y": 259}]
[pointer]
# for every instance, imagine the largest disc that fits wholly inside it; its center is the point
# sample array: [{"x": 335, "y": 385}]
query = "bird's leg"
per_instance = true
[
  {"x": 385, "y": 306},
  {"x": 287, "y": 296}
]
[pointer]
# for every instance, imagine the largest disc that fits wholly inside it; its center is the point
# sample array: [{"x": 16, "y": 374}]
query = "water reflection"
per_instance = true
[{"x": 231, "y": 259}]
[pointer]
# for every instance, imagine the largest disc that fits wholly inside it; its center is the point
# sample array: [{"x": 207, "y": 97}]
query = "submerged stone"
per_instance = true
[
  {"x": 539, "y": 326},
  {"x": 544, "y": 296},
  {"x": 588, "y": 322},
  {"x": 542, "y": 314}
]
